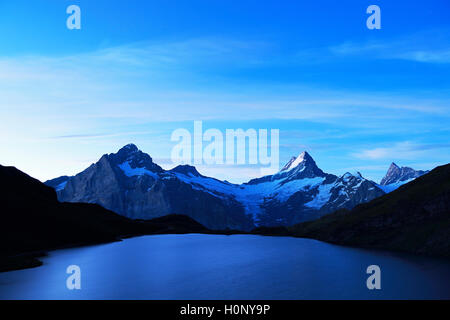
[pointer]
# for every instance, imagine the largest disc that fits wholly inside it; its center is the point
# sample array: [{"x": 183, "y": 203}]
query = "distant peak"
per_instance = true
[
  {"x": 356, "y": 174},
  {"x": 129, "y": 148},
  {"x": 347, "y": 175},
  {"x": 394, "y": 165},
  {"x": 305, "y": 156},
  {"x": 129, "y": 151},
  {"x": 393, "y": 169},
  {"x": 135, "y": 157},
  {"x": 302, "y": 156},
  {"x": 396, "y": 174},
  {"x": 296, "y": 161}
]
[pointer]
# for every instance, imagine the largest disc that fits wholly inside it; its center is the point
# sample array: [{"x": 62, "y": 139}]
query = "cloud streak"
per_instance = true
[
  {"x": 102, "y": 99},
  {"x": 425, "y": 47},
  {"x": 401, "y": 150},
  {"x": 134, "y": 82}
]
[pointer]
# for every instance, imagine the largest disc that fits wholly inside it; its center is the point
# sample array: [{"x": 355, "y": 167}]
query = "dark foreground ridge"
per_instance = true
[
  {"x": 33, "y": 221},
  {"x": 414, "y": 218}
]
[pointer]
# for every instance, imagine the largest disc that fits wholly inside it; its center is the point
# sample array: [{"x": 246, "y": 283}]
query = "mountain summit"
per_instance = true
[
  {"x": 303, "y": 159},
  {"x": 129, "y": 148},
  {"x": 131, "y": 157},
  {"x": 300, "y": 167},
  {"x": 397, "y": 176}
]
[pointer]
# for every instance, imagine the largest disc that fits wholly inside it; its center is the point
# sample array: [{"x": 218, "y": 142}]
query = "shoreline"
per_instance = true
[{"x": 29, "y": 260}]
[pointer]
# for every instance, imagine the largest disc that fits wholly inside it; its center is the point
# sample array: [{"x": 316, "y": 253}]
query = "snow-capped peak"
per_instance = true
[
  {"x": 129, "y": 148},
  {"x": 396, "y": 175},
  {"x": 394, "y": 165}
]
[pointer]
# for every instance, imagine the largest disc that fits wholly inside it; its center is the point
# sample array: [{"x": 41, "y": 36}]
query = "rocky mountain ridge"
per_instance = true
[{"x": 130, "y": 183}]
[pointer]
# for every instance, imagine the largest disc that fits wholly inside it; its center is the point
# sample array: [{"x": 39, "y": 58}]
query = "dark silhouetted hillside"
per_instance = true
[{"x": 32, "y": 220}]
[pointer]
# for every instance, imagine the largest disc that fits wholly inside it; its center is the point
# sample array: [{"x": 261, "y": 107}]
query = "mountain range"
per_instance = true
[{"x": 131, "y": 184}]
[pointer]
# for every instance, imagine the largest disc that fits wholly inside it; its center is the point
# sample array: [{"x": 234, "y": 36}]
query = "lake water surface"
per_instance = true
[{"x": 198, "y": 266}]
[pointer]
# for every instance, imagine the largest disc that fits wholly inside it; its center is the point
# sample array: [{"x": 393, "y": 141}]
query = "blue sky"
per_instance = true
[{"x": 354, "y": 98}]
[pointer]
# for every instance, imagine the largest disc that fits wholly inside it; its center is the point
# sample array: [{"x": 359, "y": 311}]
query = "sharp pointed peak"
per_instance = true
[
  {"x": 396, "y": 174},
  {"x": 347, "y": 174},
  {"x": 295, "y": 161},
  {"x": 304, "y": 155},
  {"x": 393, "y": 169},
  {"x": 394, "y": 165}
]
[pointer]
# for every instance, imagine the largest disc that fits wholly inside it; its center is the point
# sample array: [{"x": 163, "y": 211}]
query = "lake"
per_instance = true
[{"x": 199, "y": 266}]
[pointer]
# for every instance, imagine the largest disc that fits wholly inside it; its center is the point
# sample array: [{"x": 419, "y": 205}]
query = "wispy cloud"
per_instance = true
[
  {"x": 102, "y": 94},
  {"x": 103, "y": 99},
  {"x": 401, "y": 150},
  {"x": 440, "y": 56}
]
